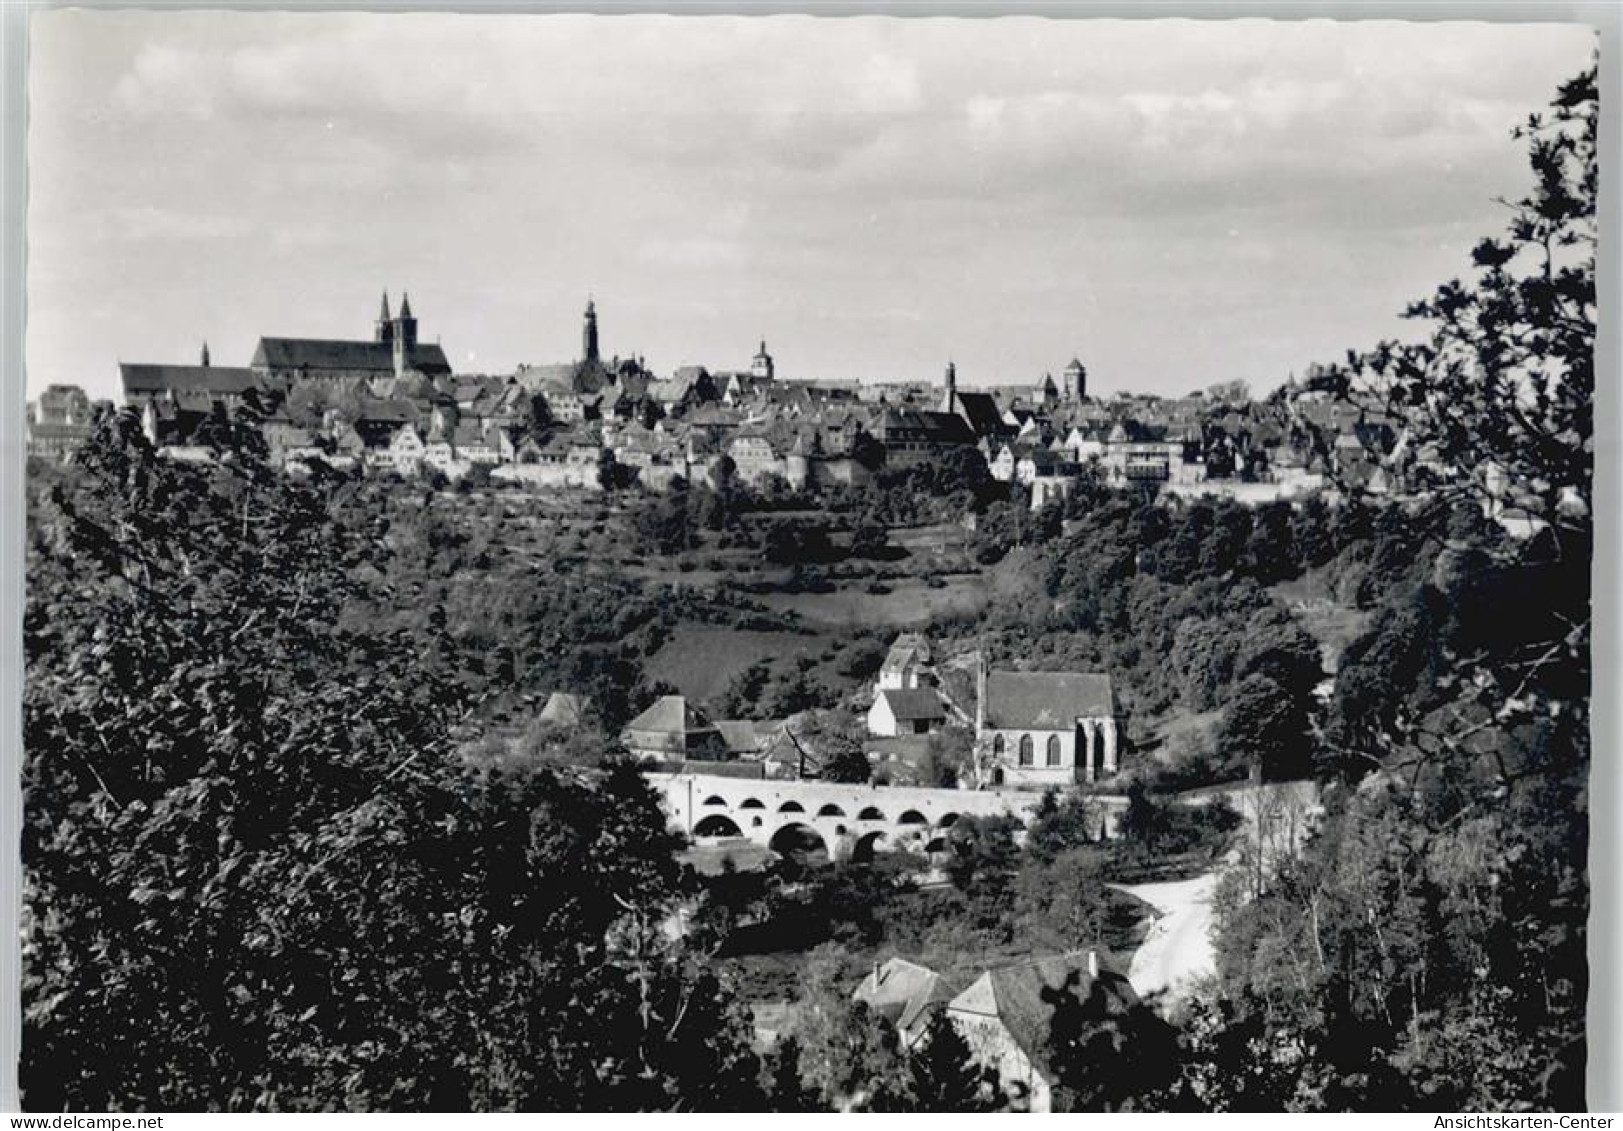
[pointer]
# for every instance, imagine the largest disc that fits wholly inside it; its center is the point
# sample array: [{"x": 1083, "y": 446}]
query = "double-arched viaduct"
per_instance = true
[{"x": 849, "y": 821}]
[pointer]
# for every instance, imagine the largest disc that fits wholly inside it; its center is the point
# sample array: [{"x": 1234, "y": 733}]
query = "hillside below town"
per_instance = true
[{"x": 405, "y": 739}]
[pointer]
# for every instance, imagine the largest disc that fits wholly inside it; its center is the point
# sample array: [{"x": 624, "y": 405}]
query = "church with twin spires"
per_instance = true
[{"x": 393, "y": 351}]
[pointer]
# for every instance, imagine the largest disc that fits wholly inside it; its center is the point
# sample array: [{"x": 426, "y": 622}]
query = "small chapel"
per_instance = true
[{"x": 1041, "y": 729}]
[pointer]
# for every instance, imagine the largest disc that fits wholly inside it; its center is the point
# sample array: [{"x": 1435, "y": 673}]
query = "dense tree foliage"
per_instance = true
[
  {"x": 257, "y": 874},
  {"x": 1107, "y": 1055},
  {"x": 273, "y": 862},
  {"x": 1427, "y": 949}
]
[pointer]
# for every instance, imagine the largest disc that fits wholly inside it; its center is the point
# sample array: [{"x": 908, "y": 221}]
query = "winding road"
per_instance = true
[{"x": 1178, "y": 950}]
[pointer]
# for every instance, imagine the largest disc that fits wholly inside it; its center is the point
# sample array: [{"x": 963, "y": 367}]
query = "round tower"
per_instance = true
[{"x": 796, "y": 465}]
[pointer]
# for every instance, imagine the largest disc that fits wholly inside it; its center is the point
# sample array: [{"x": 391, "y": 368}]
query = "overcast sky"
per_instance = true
[{"x": 1177, "y": 203}]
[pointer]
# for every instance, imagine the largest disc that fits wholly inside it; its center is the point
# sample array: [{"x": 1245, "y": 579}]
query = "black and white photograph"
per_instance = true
[{"x": 823, "y": 562}]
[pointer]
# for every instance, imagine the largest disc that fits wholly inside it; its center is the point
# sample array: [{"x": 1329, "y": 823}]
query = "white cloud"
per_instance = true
[{"x": 861, "y": 190}]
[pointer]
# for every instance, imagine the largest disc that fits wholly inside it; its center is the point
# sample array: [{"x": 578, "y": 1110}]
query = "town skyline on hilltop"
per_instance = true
[{"x": 1178, "y": 204}]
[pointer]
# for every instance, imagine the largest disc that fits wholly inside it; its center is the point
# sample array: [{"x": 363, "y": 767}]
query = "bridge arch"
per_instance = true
[
  {"x": 798, "y": 841},
  {"x": 715, "y": 824},
  {"x": 862, "y": 852},
  {"x": 911, "y": 818}
]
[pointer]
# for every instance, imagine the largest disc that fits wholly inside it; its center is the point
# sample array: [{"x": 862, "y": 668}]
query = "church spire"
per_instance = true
[
  {"x": 589, "y": 331},
  {"x": 385, "y": 328},
  {"x": 405, "y": 325},
  {"x": 205, "y": 360}
]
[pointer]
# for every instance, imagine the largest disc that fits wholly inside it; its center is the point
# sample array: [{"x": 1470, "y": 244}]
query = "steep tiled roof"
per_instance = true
[
  {"x": 981, "y": 410},
  {"x": 670, "y": 714},
  {"x": 634, "y": 385},
  {"x": 1087, "y": 430},
  {"x": 712, "y": 416},
  {"x": 412, "y": 385},
  {"x": 673, "y": 389},
  {"x": 741, "y": 736},
  {"x": 905, "y": 649},
  {"x": 1047, "y": 460},
  {"x": 318, "y": 354},
  {"x": 547, "y": 378},
  {"x": 939, "y": 427},
  {"x": 468, "y": 434},
  {"x": 1014, "y": 995},
  {"x": 912, "y": 703},
  {"x": 564, "y": 709},
  {"x": 1045, "y": 700},
  {"x": 199, "y": 401},
  {"x": 392, "y": 411},
  {"x": 1138, "y": 432},
  {"x": 217, "y": 380},
  {"x": 901, "y": 991},
  {"x": 471, "y": 390}
]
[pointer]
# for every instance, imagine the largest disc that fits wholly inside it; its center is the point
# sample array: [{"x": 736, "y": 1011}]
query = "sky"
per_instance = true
[{"x": 1177, "y": 203}]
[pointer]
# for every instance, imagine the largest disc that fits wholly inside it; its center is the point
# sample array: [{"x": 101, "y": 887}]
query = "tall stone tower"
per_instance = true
[
  {"x": 385, "y": 327},
  {"x": 1076, "y": 381},
  {"x": 589, "y": 333},
  {"x": 406, "y": 324},
  {"x": 761, "y": 363},
  {"x": 404, "y": 336},
  {"x": 949, "y": 394}
]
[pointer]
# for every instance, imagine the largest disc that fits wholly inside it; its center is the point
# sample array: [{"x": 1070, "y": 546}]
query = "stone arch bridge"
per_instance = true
[{"x": 846, "y": 821}]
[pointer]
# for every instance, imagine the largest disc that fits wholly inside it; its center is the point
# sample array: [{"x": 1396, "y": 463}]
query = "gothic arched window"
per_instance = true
[
  {"x": 1027, "y": 754},
  {"x": 1053, "y": 750},
  {"x": 998, "y": 745}
]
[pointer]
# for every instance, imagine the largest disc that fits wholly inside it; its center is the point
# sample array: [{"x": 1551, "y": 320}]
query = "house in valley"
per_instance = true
[
  {"x": 905, "y": 994},
  {"x": 673, "y": 730},
  {"x": 1006, "y": 1015},
  {"x": 899, "y": 711},
  {"x": 907, "y": 664}
]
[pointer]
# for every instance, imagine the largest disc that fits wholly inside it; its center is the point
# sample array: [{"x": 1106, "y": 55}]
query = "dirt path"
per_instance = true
[{"x": 1178, "y": 950}]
